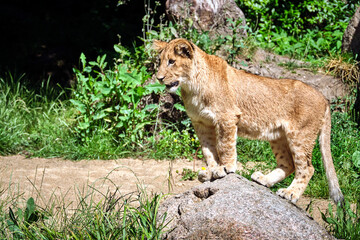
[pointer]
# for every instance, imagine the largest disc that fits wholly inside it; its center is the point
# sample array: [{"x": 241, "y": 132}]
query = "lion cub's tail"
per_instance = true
[{"x": 324, "y": 140}]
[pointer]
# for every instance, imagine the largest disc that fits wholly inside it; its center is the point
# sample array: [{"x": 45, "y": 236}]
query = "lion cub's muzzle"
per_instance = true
[
  {"x": 171, "y": 87},
  {"x": 173, "y": 84}
]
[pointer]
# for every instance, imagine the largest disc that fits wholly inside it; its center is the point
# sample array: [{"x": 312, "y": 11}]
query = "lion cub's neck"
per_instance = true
[
  {"x": 208, "y": 72},
  {"x": 207, "y": 82}
]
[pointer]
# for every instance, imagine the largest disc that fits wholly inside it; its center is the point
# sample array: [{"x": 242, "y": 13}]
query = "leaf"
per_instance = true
[
  {"x": 150, "y": 107},
  {"x": 30, "y": 208},
  {"x": 154, "y": 88},
  {"x": 338, "y": 44},
  {"x": 79, "y": 105},
  {"x": 173, "y": 31},
  {"x": 100, "y": 105},
  {"x": 356, "y": 159},
  {"x": 125, "y": 111},
  {"x": 87, "y": 69},
  {"x": 117, "y": 49},
  {"x": 105, "y": 90},
  {"x": 179, "y": 107},
  {"x": 99, "y": 115},
  {"x": 93, "y": 63},
  {"x": 102, "y": 61},
  {"x": 84, "y": 125},
  {"x": 127, "y": 98},
  {"x": 12, "y": 216},
  {"x": 140, "y": 91},
  {"x": 83, "y": 59}
]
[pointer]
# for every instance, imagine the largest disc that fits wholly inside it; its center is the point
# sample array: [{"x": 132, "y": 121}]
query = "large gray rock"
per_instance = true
[
  {"x": 235, "y": 208},
  {"x": 351, "y": 38},
  {"x": 207, "y": 15}
]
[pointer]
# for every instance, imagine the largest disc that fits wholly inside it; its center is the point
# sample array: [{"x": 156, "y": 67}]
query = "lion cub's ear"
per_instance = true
[
  {"x": 184, "y": 49},
  {"x": 159, "y": 45}
]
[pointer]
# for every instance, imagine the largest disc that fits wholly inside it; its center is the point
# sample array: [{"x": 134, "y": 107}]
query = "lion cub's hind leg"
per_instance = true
[
  {"x": 285, "y": 164},
  {"x": 302, "y": 145}
]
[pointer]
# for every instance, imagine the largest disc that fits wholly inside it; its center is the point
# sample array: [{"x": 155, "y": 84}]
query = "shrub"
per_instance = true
[
  {"x": 306, "y": 29},
  {"x": 110, "y": 100}
]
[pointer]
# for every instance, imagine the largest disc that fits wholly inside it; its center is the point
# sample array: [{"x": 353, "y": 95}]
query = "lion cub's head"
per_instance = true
[{"x": 175, "y": 62}]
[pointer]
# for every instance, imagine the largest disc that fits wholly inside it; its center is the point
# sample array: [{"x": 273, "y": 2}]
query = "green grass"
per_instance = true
[
  {"x": 344, "y": 221},
  {"x": 30, "y": 120},
  {"x": 114, "y": 216}
]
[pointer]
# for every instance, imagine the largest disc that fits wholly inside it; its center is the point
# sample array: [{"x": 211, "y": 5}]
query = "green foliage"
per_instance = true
[
  {"x": 31, "y": 117},
  {"x": 305, "y": 29},
  {"x": 188, "y": 174},
  {"x": 172, "y": 143},
  {"x": 110, "y": 99},
  {"x": 345, "y": 222},
  {"x": 144, "y": 223},
  {"x": 116, "y": 216},
  {"x": 20, "y": 222}
]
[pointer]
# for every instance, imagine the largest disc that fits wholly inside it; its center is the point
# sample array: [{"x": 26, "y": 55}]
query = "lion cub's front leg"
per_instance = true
[
  {"x": 207, "y": 137},
  {"x": 219, "y": 148},
  {"x": 226, "y": 134}
]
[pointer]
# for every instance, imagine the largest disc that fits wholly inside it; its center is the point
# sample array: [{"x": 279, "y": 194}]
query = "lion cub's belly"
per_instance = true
[
  {"x": 248, "y": 127},
  {"x": 268, "y": 133}
]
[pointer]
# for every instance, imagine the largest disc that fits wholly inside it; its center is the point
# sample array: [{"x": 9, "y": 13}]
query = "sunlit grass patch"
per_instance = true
[{"x": 92, "y": 215}]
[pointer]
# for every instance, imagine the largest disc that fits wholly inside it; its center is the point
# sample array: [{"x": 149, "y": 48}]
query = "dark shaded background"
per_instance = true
[{"x": 43, "y": 38}]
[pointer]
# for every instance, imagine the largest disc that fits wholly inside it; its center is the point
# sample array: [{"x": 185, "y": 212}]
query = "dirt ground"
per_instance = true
[{"x": 61, "y": 181}]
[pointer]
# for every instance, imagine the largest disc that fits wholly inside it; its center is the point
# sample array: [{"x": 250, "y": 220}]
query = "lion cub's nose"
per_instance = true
[{"x": 160, "y": 78}]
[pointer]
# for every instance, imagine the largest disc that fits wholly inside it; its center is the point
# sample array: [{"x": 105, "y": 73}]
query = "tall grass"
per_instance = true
[
  {"x": 32, "y": 118},
  {"x": 344, "y": 222},
  {"x": 112, "y": 216}
]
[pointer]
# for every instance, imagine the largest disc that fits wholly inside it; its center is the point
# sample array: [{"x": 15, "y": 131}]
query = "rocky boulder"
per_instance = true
[
  {"x": 235, "y": 208},
  {"x": 207, "y": 15},
  {"x": 351, "y": 38}
]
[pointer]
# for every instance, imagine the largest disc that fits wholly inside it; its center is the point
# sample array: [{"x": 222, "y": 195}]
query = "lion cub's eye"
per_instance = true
[{"x": 171, "y": 61}]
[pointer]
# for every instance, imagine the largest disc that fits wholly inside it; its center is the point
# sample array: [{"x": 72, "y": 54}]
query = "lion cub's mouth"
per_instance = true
[{"x": 173, "y": 84}]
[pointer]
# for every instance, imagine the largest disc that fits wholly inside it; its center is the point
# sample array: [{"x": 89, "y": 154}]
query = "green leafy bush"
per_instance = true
[
  {"x": 111, "y": 100},
  {"x": 188, "y": 174},
  {"x": 305, "y": 29}
]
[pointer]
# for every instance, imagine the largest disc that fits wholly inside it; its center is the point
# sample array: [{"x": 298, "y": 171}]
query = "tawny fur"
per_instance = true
[{"x": 223, "y": 103}]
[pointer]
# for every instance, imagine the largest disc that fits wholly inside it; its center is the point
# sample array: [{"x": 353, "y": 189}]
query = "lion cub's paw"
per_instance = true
[
  {"x": 288, "y": 194},
  {"x": 230, "y": 168},
  {"x": 218, "y": 172},
  {"x": 259, "y": 178},
  {"x": 204, "y": 175}
]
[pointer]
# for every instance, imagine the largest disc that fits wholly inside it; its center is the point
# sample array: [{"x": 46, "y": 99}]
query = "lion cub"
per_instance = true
[{"x": 224, "y": 103}]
